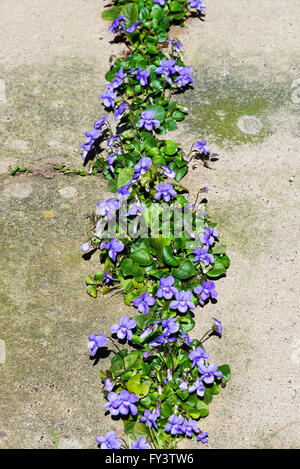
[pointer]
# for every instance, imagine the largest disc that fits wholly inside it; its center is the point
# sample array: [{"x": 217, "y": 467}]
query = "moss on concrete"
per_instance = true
[{"x": 218, "y": 104}]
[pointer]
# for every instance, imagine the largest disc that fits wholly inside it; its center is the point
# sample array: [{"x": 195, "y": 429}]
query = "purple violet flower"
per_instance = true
[
  {"x": 114, "y": 246},
  {"x": 168, "y": 172},
  {"x": 108, "y": 385},
  {"x": 166, "y": 191},
  {"x": 206, "y": 290},
  {"x": 175, "y": 425},
  {"x": 120, "y": 73},
  {"x": 209, "y": 373},
  {"x": 189, "y": 427},
  {"x": 111, "y": 158},
  {"x": 142, "y": 166},
  {"x": 134, "y": 210},
  {"x": 94, "y": 134},
  {"x": 141, "y": 443},
  {"x": 107, "y": 278},
  {"x": 170, "y": 325},
  {"x": 123, "y": 193},
  {"x": 166, "y": 289},
  {"x": 143, "y": 302},
  {"x": 108, "y": 208},
  {"x": 197, "y": 4},
  {"x": 209, "y": 236},
  {"x": 113, "y": 141},
  {"x": 96, "y": 341},
  {"x": 202, "y": 437},
  {"x": 202, "y": 147},
  {"x": 167, "y": 67},
  {"x": 118, "y": 81},
  {"x": 142, "y": 76},
  {"x": 162, "y": 339},
  {"x": 100, "y": 122},
  {"x": 147, "y": 120},
  {"x": 108, "y": 98},
  {"x": 109, "y": 441},
  {"x": 123, "y": 330},
  {"x": 218, "y": 326},
  {"x": 146, "y": 333},
  {"x": 149, "y": 419},
  {"x": 118, "y": 25},
  {"x": 184, "y": 77},
  {"x": 198, "y": 356},
  {"x": 102, "y": 244},
  {"x": 197, "y": 386},
  {"x": 120, "y": 111},
  {"x": 149, "y": 329},
  {"x": 113, "y": 85},
  {"x": 87, "y": 146},
  {"x": 176, "y": 45},
  {"x": 183, "y": 301},
  {"x": 123, "y": 403},
  {"x": 85, "y": 247},
  {"x": 186, "y": 338},
  {"x": 183, "y": 385},
  {"x": 202, "y": 255},
  {"x": 133, "y": 27}
]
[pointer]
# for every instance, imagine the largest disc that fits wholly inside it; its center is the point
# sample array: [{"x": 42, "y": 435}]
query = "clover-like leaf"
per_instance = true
[
  {"x": 134, "y": 385},
  {"x": 185, "y": 270},
  {"x": 111, "y": 14},
  {"x": 142, "y": 257},
  {"x": 168, "y": 256},
  {"x": 124, "y": 176},
  {"x": 140, "y": 429},
  {"x": 92, "y": 290},
  {"x": 225, "y": 370},
  {"x": 131, "y": 13},
  {"x": 171, "y": 147},
  {"x": 217, "y": 270}
]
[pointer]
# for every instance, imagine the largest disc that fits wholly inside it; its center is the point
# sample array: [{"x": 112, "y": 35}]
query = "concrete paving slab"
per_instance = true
[{"x": 246, "y": 103}]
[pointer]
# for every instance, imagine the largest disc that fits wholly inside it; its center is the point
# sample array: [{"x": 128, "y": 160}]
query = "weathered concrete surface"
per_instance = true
[
  {"x": 45, "y": 314},
  {"x": 245, "y": 102},
  {"x": 246, "y": 58}
]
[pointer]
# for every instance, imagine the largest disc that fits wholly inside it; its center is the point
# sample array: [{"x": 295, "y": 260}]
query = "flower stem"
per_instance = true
[
  {"x": 117, "y": 347},
  {"x": 154, "y": 439},
  {"x": 206, "y": 333}
]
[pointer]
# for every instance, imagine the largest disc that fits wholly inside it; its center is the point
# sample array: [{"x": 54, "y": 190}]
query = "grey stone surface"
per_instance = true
[{"x": 52, "y": 63}]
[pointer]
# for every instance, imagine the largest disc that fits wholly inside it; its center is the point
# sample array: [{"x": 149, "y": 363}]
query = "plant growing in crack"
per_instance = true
[{"x": 158, "y": 250}]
